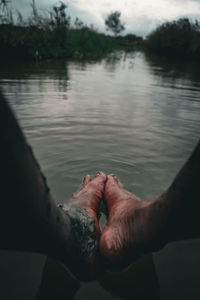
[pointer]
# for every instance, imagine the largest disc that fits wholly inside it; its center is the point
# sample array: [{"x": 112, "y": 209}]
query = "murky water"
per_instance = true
[{"x": 135, "y": 116}]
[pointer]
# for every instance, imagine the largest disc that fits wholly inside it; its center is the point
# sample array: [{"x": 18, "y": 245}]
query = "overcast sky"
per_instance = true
[{"x": 140, "y": 16}]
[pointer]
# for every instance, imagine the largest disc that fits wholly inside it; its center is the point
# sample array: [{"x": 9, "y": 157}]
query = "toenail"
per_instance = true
[
  {"x": 114, "y": 176},
  {"x": 87, "y": 177},
  {"x": 98, "y": 173}
]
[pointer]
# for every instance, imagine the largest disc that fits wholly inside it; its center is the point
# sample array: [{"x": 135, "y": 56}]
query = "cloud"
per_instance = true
[{"x": 140, "y": 16}]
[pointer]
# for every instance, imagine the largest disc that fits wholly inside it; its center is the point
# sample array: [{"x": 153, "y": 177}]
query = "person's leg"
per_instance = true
[
  {"x": 135, "y": 227},
  {"x": 57, "y": 283},
  {"x": 30, "y": 220},
  {"x": 83, "y": 207}
]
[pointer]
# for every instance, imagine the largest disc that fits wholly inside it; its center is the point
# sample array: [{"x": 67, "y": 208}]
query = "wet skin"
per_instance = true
[
  {"x": 133, "y": 227},
  {"x": 88, "y": 197},
  {"x": 136, "y": 227}
]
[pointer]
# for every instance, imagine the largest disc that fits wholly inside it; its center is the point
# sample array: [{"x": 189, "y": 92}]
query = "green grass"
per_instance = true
[
  {"x": 54, "y": 35},
  {"x": 22, "y": 42},
  {"x": 85, "y": 43}
]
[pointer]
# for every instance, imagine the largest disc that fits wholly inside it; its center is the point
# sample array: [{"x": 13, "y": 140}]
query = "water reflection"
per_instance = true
[
  {"x": 133, "y": 115},
  {"x": 112, "y": 62},
  {"x": 174, "y": 70},
  {"x": 55, "y": 70}
]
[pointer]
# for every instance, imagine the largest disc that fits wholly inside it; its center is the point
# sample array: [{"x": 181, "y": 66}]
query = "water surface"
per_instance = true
[{"x": 131, "y": 115}]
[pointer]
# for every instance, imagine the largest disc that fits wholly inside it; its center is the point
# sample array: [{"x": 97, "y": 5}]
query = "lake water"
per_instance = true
[{"x": 132, "y": 115}]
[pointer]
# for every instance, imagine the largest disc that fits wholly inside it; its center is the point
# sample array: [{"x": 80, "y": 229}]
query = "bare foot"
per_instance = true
[
  {"x": 89, "y": 196},
  {"x": 133, "y": 228},
  {"x": 82, "y": 209}
]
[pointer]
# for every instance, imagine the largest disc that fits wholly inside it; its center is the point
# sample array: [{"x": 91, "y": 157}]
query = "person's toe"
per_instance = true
[
  {"x": 85, "y": 182},
  {"x": 98, "y": 183},
  {"x": 100, "y": 177},
  {"x": 86, "y": 179},
  {"x": 114, "y": 191},
  {"x": 112, "y": 180}
]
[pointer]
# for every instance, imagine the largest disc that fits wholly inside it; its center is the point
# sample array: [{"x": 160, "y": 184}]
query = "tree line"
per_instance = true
[
  {"x": 179, "y": 38},
  {"x": 56, "y": 35},
  {"x": 50, "y": 35}
]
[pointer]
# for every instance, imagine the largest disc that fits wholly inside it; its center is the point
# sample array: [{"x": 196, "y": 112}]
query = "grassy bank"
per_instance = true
[
  {"x": 49, "y": 36},
  {"x": 179, "y": 38},
  {"x": 31, "y": 42},
  {"x": 130, "y": 42}
]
